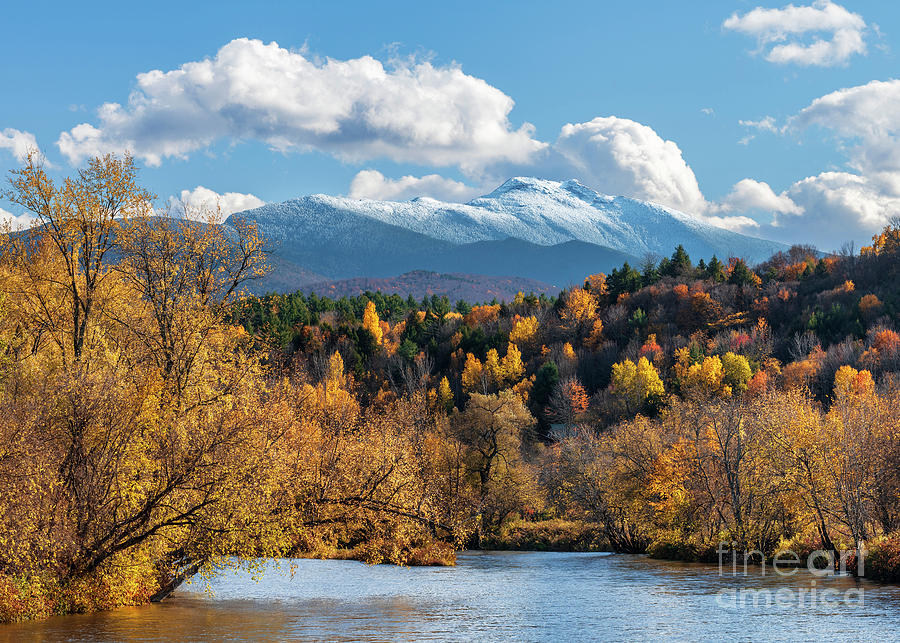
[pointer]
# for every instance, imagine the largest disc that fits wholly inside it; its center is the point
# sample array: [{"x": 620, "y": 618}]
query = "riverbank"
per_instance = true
[
  {"x": 382, "y": 551},
  {"x": 548, "y": 535},
  {"x": 881, "y": 564}
]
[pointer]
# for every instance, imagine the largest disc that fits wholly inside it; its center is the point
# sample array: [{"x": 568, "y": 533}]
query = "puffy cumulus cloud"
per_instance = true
[
  {"x": 868, "y": 114},
  {"x": 844, "y": 206},
  {"x": 822, "y": 34},
  {"x": 621, "y": 156},
  {"x": 354, "y": 109},
  {"x": 10, "y": 221},
  {"x": 201, "y": 201},
  {"x": 19, "y": 143},
  {"x": 372, "y": 184},
  {"x": 751, "y": 195},
  {"x": 838, "y": 207}
]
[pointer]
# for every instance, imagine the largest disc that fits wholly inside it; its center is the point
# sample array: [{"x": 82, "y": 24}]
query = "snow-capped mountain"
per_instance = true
[{"x": 556, "y": 232}]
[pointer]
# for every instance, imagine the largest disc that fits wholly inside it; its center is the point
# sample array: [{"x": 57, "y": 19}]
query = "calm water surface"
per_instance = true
[{"x": 497, "y": 595}]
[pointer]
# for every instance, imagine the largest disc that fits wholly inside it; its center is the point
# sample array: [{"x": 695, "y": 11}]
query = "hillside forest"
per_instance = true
[{"x": 157, "y": 423}]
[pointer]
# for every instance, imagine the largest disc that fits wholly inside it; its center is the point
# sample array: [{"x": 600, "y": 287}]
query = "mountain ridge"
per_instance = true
[{"x": 340, "y": 237}]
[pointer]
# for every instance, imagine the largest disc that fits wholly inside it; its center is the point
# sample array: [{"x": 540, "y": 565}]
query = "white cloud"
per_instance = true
[
  {"x": 838, "y": 207},
  {"x": 822, "y": 34},
  {"x": 835, "y": 206},
  {"x": 868, "y": 115},
  {"x": 621, "y": 156},
  {"x": 355, "y": 109},
  {"x": 8, "y": 220},
  {"x": 766, "y": 124},
  {"x": 372, "y": 184},
  {"x": 751, "y": 195},
  {"x": 202, "y": 200},
  {"x": 741, "y": 224},
  {"x": 19, "y": 143}
]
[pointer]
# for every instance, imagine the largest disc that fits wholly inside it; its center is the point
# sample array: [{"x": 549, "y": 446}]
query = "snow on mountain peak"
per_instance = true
[{"x": 540, "y": 211}]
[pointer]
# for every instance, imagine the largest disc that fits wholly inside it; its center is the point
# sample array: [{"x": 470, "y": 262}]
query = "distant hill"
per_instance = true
[
  {"x": 421, "y": 283},
  {"x": 544, "y": 230}
]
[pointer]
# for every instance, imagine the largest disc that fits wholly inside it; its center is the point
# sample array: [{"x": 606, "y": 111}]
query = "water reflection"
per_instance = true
[{"x": 522, "y": 596}]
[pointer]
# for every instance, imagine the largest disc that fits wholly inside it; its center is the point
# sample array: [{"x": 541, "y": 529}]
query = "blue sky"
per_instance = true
[{"x": 656, "y": 93}]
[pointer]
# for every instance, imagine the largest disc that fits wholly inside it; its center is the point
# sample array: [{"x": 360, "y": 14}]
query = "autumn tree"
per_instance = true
[
  {"x": 568, "y": 401},
  {"x": 580, "y": 310},
  {"x": 473, "y": 376},
  {"x": 492, "y": 426},
  {"x": 596, "y": 284},
  {"x": 445, "y": 394},
  {"x": 511, "y": 367},
  {"x": 524, "y": 331},
  {"x": 887, "y": 242},
  {"x": 78, "y": 221},
  {"x": 184, "y": 271},
  {"x": 636, "y": 384},
  {"x": 141, "y": 414},
  {"x": 371, "y": 322},
  {"x": 595, "y": 336}
]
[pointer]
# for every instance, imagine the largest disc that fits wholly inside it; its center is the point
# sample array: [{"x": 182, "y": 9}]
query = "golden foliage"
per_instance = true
[
  {"x": 737, "y": 372},
  {"x": 524, "y": 330},
  {"x": 511, "y": 367},
  {"x": 798, "y": 374},
  {"x": 852, "y": 384},
  {"x": 580, "y": 309},
  {"x": 596, "y": 283},
  {"x": 595, "y": 338},
  {"x": 635, "y": 384},
  {"x": 869, "y": 305},
  {"x": 445, "y": 394},
  {"x": 707, "y": 376},
  {"x": 371, "y": 322},
  {"x": 886, "y": 242},
  {"x": 473, "y": 374},
  {"x": 480, "y": 315}
]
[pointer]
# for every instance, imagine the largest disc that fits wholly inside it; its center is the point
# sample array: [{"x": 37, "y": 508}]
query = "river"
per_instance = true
[{"x": 499, "y": 595}]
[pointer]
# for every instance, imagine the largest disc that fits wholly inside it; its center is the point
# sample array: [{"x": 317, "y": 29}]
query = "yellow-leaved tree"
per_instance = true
[
  {"x": 511, "y": 367},
  {"x": 636, "y": 384},
  {"x": 371, "y": 322},
  {"x": 473, "y": 374},
  {"x": 524, "y": 331},
  {"x": 580, "y": 310}
]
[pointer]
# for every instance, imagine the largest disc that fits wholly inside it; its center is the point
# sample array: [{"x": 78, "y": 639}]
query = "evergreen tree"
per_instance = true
[
  {"x": 625, "y": 280},
  {"x": 715, "y": 270},
  {"x": 741, "y": 275},
  {"x": 679, "y": 264},
  {"x": 544, "y": 383}
]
